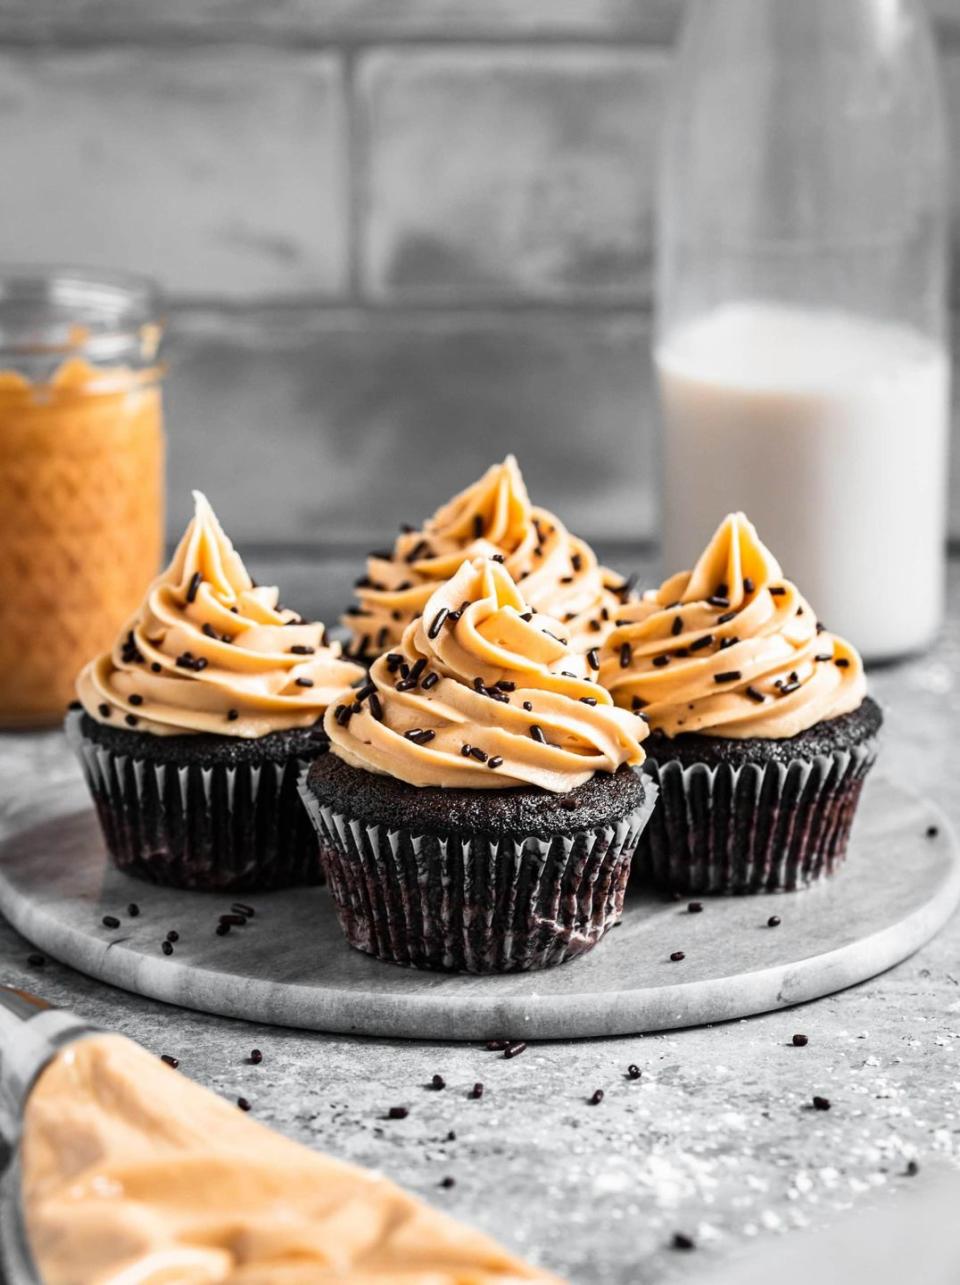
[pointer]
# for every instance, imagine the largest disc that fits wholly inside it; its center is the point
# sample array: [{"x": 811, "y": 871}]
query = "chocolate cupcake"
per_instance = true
[
  {"x": 761, "y": 729},
  {"x": 478, "y": 811},
  {"x": 192, "y": 732},
  {"x": 557, "y": 573}
]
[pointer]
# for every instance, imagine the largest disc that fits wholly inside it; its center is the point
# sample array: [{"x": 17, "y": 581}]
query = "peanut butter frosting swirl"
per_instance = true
[
  {"x": 557, "y": 572},
  {"x": 484, "y": 693},
  {"x": 210, "y": 651},
  {"x": 730, "y": 649}
]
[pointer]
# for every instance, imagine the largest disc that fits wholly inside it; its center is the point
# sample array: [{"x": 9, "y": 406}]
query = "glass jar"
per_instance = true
[
  {"x": 81, "y": 475},
  {"x": 802, "y": 325}
]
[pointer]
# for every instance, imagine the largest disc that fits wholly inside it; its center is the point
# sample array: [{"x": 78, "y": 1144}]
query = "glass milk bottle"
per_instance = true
[{"x": 801, "y": 343}]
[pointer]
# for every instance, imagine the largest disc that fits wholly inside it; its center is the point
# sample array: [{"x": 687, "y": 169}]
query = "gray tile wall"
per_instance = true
[{"x": 400, "y": 237}]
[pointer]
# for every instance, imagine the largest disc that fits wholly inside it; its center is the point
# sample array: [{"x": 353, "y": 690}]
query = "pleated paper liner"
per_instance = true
[
  {"x": 475, "y": 903},
  {"x": 770, "y": 827},
  {"x": 221, "y": 828}
]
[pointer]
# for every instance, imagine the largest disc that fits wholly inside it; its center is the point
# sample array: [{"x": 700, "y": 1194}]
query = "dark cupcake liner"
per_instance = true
[
  {"x": 771, "y": 827},
  {"x": 221, "y": 828},
  {"x": 475, "y": 903}
]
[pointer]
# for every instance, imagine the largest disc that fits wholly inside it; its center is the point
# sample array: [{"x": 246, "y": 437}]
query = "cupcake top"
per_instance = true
[
  {"x": 730, "y": 649},
  {"x": 484, "y": 693},
  {"x": 557, "y": 572},
  {"x": 210, "y": 651}
]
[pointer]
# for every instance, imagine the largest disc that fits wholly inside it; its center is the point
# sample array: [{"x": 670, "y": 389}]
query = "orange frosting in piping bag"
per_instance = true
[
  {"x": 133, "y": 1175},
  {"x": 209, "y": 651},
  {"x": 484, "y": 693},
  {"x": 730, "y": 649},
  {"x": 557, "y": 572}
]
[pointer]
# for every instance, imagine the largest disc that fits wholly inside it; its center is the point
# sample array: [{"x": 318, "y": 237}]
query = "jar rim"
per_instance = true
[{"x": 53, "y": 310}]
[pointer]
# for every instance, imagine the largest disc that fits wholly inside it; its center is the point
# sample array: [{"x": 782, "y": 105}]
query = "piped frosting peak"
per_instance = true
[
  {"x": 730, "y": 649},
  {"x": 210, "y": 651},
  {"x": 558, "y": 573},
  {"x": 484, "y": 693}
]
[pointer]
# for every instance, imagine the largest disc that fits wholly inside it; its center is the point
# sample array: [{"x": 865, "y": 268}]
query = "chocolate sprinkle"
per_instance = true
[
  {"x": 437, "y": 623},
  {"x": 170, "y": 1060},
  {"x": 135, "y": 699},
  {"x": 429, "y": 680},
  {"x": 748, "y": 585},
  {"x": 131, "y": 720},
  {"x": 133, "y": 910},
  {"x": 447, "y": 1181},
  {"x": 777, "y": 590},
  {"x": 593, "y": 658},
  {"x": 682, "y": 1241},
  {"x": 476, "y": 1091},
  {"x": 110, "y": 921},
  {"x": 495, "y": 762},
  {"x": 821, "y": 1104},
  {"x": 588, "y": 700},
  {"x": 774, "y": 921},
  {"x": 626, "y": 655},
  {"x": 932, "y": 831},
  {"x": 799, "y": 1041},
  {"x": 514, "y": 1049},
  {"x": 243, "y": 1104},
  {"x": 232, "y": 715},
  {"x": 596, "y": 1097},
  {"x": 699, "y": 643},
  {"x": 728, "y": 676},
  {"x": 304, "y": 682},
  {"x": 633, "y": 1071},
  {"x": 36, "y": 960},
  {"x": 659, "y": 661},
  {"x": 695, "y": 908},
  {"x": 842, "y": 663},
  {"x": 420, "y": 735},
  {"x": 677, "y": 626},
  {"x": 677, "y": 956},
  {"x": 536, "y": 731},
  {"x": 256, "y": 1057},
  {"x": 222, "y": 929},
  {"x": 104, "y": 710},
  {"x": 173, "y": 935},
  {"x": 167, "y": 947},
  {"x": 196, "y": 580},
  {"x": 301, "y": 649},
  {"x": 757, "y": 697}
]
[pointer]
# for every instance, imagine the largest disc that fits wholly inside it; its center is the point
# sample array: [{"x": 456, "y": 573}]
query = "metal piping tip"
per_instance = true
[{"x": 31, "y": 1033}]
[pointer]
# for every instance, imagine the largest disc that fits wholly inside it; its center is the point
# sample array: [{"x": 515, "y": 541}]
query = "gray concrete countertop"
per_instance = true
[{"x": 716, "y": 1139}]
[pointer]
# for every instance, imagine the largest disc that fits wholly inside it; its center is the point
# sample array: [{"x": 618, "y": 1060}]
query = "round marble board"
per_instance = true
[{"x": 289, "y": 965}]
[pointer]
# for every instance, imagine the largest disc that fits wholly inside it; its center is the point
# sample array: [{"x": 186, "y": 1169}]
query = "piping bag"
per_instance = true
[{"x": 126, "y": 1172}]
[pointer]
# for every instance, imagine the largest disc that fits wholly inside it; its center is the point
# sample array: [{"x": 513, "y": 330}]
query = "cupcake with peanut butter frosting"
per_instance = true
[
  {"x": 556, "y": 572},
  {"x": 193, "y": 729},
  {"x": 762, "y": 731},
  {"x": 479, "y": 809}
]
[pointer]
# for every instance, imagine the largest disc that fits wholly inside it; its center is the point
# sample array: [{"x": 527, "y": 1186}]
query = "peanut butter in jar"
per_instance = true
[{"x": 81, "y": 476}]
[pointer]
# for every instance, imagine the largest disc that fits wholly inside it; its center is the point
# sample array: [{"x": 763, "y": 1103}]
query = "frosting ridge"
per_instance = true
[
  {"x": 730, "y": 648},
  {"x": 210, "y": 651},
  {"x": 558, "y": 572},
  {"x": 484, "y": 693}
]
